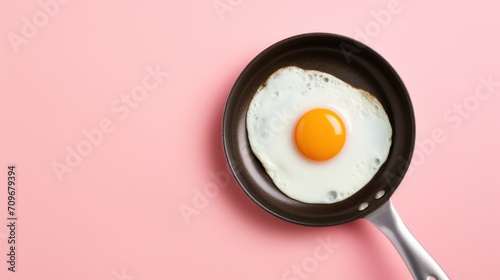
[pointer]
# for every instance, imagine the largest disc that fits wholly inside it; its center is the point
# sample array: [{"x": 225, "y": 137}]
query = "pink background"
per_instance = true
[{"x": 116, "y": 215}]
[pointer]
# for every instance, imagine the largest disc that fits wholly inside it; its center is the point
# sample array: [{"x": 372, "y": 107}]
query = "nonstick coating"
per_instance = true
[{"x": 350, "y": 61}]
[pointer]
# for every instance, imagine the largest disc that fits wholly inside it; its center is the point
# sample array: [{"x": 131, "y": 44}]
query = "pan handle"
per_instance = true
[{"x": 421, "y": 265}]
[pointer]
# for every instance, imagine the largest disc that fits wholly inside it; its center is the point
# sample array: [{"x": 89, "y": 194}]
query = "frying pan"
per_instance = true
[{"x": 362, "y": 67}]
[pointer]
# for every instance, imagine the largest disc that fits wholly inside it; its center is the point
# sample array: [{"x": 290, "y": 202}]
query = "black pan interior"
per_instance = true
[{"x": 350, "y": 61}]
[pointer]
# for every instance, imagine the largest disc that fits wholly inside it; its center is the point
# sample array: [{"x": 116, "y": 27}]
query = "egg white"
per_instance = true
[{"x": 273, "y": 112}]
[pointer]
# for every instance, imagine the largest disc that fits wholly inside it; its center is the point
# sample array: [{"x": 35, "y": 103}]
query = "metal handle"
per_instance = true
[{"x": 421, "y": 265}]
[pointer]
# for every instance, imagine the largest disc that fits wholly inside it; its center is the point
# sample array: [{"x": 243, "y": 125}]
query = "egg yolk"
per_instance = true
[{"x": 320, "y": 134}]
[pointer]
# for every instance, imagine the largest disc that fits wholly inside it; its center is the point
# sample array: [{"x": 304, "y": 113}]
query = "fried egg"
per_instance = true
[{"x": 319, "y": 139}]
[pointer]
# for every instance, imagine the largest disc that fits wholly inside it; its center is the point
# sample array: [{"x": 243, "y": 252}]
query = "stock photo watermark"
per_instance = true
[
  {"x": 121, "y": 109},
  {"x": 223, "y": 7},
  {"x": 121, "y": 275},
  {"x": 303, "y": 269},
  {"x": 380, "y": 19},
  {"x": 202, "y": 196},
  {"x": 454, "y": 117},
  {"x": 32, "y": 25}
]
